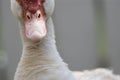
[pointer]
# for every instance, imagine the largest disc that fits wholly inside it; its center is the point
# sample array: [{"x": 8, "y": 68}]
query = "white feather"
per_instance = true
[
  {"x": 49, "y": 7},
  {"x": 41, "y": 61},
  {"x": 16, "y": 9}
]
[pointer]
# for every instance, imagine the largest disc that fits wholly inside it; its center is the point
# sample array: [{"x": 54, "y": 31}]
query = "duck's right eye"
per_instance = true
[{"x": 28, "y": 16}]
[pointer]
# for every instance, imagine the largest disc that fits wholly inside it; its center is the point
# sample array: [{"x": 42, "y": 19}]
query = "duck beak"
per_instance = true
[{"x": 35, "y": 27}]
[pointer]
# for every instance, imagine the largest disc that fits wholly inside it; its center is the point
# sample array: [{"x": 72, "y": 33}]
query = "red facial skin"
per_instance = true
[
  {"x": 25, "y": 17},
  {"x": 34, "y": 19},
  {"x": 32, "y": 5}
]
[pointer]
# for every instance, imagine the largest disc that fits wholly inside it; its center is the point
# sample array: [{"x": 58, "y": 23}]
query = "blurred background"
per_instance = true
[{"x": 87, "y": 35}]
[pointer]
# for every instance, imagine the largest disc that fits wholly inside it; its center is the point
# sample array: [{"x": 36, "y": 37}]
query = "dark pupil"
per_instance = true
[
  {"x": 28, "y": 17},
  {"x": 39, "y": 16}
]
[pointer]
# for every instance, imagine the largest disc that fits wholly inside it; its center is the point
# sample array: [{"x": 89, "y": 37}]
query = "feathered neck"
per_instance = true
[
  {"x": 42, "y": 60},
  {"x": 46, "y": 47}
]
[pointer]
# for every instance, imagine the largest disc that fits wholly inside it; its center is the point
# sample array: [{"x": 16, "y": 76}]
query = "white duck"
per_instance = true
[{"x": 40, "y": 59}]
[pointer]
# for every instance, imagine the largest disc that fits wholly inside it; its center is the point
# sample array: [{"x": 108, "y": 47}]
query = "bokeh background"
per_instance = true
[{"x": 87, "y": 34}]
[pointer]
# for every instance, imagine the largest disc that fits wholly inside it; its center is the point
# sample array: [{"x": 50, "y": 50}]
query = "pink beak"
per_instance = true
[{"x": 35, "y": 29}]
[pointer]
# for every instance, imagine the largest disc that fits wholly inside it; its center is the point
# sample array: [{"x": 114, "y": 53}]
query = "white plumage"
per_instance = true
[{"x": 41, "y": 61}]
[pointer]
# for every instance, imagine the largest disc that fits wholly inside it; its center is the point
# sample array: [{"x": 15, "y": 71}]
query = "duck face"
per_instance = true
[{"x": 33, "y": 15}]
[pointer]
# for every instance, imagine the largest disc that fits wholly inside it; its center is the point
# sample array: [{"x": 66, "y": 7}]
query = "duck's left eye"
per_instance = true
[{"x": 39, "y": 15}]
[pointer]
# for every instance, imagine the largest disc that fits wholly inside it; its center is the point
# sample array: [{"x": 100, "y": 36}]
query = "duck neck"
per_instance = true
[
  {"x": 42, "y": 57},
  {"x": 45, "y": 51}
]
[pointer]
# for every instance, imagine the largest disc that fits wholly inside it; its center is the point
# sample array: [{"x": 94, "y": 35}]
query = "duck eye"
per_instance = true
[
  {"x": 28, "y": 16},
  {"x": 39, "y": 15}
]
